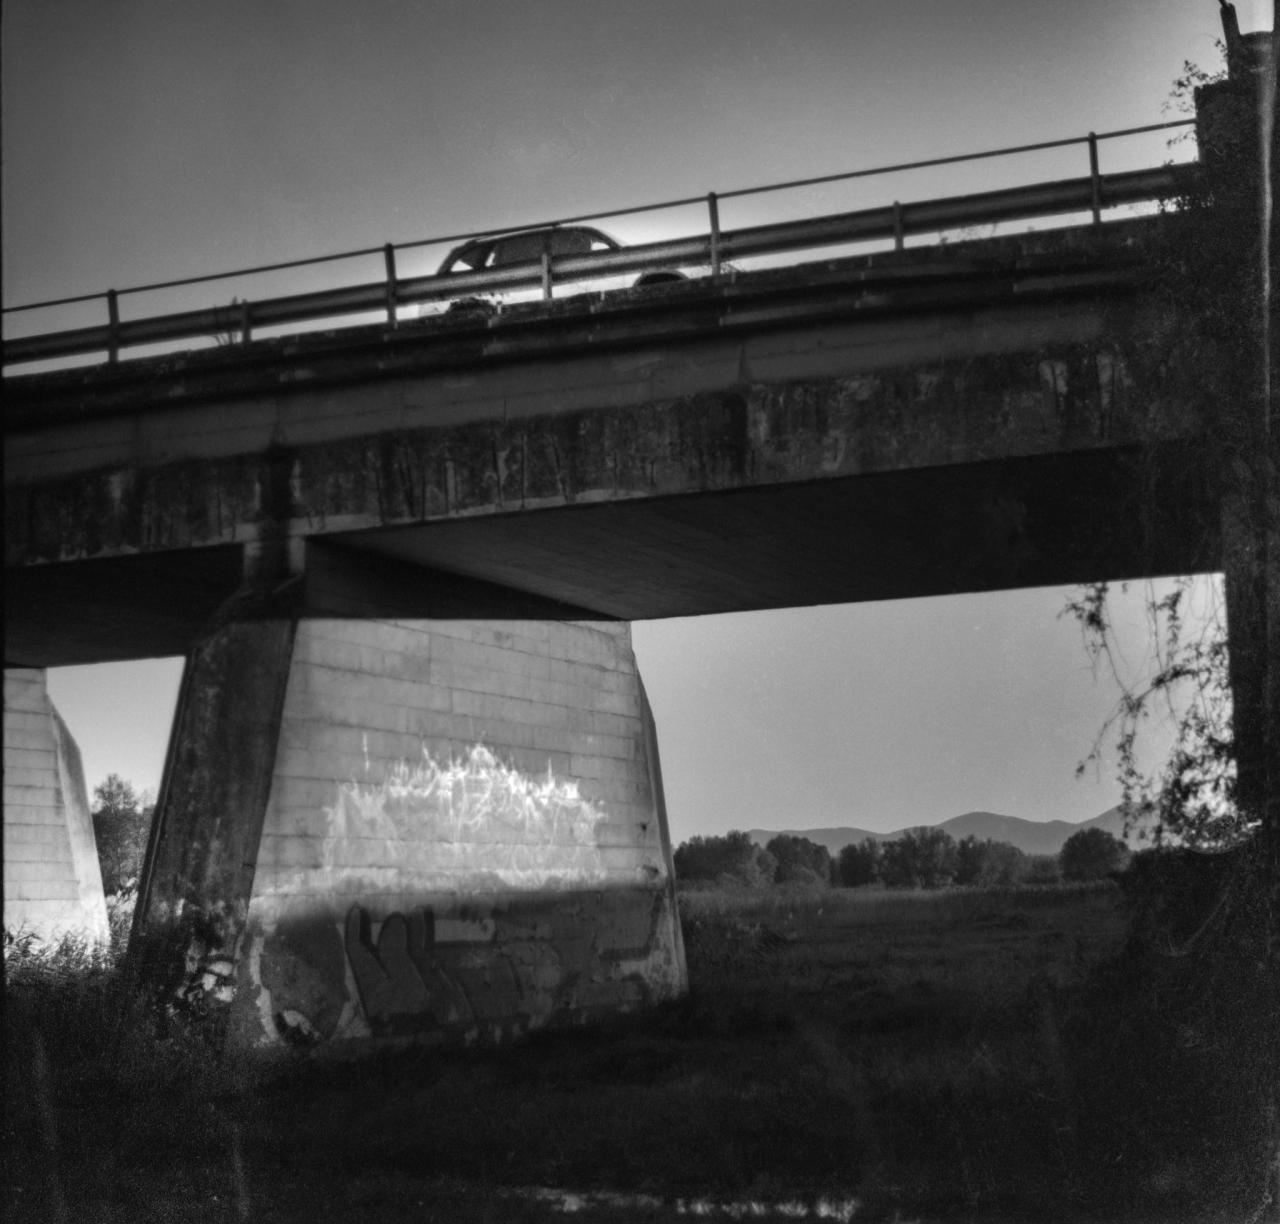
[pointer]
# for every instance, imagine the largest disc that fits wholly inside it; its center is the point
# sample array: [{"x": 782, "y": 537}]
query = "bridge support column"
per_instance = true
[
  {"x": 193, "y": 897},
  {"x": 52, "y": 881},
  {"x": 411, "y": 830}
]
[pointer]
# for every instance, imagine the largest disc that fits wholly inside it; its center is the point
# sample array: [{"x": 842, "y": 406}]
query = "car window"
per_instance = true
[
  {"x": 571, "y": 242},
  {"x": 519, "y": 248},
  {"x": 471, "y": 257}
]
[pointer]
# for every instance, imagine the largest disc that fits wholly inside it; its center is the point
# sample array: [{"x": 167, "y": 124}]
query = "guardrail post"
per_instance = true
[
  {"x": 113, "y": 326},
  {"x": 546, "y": 276},
  {"x": 713, "y": 207},
  {"x": 246, "y": 322},
  {"x": 898, "y": 231},
  {"x": 389, "y": 255},
  {"x": 1095, "y": 179}
]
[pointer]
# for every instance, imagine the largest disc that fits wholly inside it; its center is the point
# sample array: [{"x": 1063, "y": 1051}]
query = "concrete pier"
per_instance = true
[
  {"x": 52, "y": 881},
  {"x": 461, "y": 833}
]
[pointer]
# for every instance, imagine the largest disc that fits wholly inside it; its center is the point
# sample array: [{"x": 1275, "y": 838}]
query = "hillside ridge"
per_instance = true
[{"x": 1030, "y": 836}]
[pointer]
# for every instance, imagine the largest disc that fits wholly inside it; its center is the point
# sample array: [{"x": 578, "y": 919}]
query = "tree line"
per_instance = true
[{"x": 918, "y": 858}]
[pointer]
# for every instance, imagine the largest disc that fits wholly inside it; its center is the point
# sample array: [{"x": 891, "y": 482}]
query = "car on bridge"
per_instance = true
[{"x": 529, "y": 246}]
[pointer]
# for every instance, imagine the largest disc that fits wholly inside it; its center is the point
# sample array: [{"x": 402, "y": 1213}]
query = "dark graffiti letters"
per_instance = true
[{"x": 401, "y": 985}]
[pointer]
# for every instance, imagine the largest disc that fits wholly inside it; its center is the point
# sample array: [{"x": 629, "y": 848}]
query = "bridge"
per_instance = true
[
  {"x": 413, "y": 788},
  {"x": 454, "y": 421}
]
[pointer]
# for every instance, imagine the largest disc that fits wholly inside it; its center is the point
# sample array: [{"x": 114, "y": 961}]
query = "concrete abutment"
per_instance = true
[{"x": 431, "y": 830}]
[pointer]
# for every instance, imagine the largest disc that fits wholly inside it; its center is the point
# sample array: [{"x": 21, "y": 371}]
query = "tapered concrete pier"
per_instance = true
[
  {"x": 425, "y": 830},
  {"x": 52, "y": 882}
]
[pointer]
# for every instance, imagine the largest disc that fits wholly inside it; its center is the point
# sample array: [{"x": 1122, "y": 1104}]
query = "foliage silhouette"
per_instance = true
[
  {"x": 859, "y": 863},
  {"x": 121, "y": 821},
  {"x": 1091, "y": 854}
]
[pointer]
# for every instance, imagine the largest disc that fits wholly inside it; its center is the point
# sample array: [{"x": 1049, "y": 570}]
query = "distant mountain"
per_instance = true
[{"x": 1030, "y": 836}]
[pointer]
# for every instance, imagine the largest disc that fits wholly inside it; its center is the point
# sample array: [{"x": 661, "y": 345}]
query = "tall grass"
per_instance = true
[
  {"x": 873, "y": 904},
  {"x": 82, "y": 1004},
  {"x": 960, "y": 1051}
]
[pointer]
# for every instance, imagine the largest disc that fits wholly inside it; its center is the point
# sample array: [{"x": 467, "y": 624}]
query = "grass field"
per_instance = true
[{"x": 845, "y": 1054}]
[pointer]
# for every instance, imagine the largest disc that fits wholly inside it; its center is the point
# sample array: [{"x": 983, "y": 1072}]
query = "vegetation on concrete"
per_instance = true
[
  {"x": 1202, "y": 972},
  {"x": 1207, "y": 357}
]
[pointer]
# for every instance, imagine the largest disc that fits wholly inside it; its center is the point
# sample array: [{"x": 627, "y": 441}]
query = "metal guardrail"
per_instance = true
[{"x": 1089, "y": 194}]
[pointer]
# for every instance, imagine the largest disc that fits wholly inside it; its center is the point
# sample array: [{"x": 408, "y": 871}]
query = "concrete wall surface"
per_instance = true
[
  {"x": 52, "y": 881},
  {"x": 464, "y": 838}
]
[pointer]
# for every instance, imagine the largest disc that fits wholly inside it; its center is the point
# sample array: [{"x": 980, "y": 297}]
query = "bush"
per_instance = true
[{"x": 86, "y": 1011}]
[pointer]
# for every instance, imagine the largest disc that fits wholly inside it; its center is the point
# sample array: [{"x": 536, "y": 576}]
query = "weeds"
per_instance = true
[{"x": 941, "y": 1052}]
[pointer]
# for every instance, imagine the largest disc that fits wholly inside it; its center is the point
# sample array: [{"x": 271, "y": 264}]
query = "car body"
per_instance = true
[{"x": 529, "y": 246}]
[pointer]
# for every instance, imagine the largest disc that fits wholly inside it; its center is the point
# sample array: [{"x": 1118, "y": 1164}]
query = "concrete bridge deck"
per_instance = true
[{"x": 922, "y": 422}]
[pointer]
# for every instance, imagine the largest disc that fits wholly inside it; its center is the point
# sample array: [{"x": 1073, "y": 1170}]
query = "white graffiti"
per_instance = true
[{"x": 441, "y": 816}]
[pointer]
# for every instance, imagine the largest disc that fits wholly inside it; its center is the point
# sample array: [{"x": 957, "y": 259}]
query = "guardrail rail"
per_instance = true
[{"x": 1089, "y": 194}]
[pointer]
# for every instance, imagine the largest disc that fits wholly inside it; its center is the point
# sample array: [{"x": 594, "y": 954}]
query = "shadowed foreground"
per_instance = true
[{"x": 843, "y": 1054}]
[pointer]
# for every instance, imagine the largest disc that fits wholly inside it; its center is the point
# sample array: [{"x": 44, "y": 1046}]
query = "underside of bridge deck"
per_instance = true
[{"x": 933, "y": 531}]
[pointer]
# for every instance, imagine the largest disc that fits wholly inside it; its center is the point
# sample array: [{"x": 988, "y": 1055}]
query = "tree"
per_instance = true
[
  {"x": 986, "y": 863},
  {"x": 1043, "y": 869},
  {"x": 1092, "y": 854},
  {"x": 859, "y": 863},
  {"x": 919, "y": 858},
  {"x": 121, "y": 823},
  {"x": 799, "y": 860},
  {"x": 733, "y": 858}
]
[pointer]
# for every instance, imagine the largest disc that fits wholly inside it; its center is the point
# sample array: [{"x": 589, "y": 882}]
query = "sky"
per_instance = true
[{"x": 148, "y": 140}]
